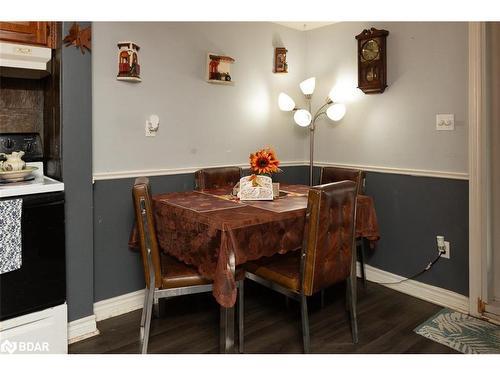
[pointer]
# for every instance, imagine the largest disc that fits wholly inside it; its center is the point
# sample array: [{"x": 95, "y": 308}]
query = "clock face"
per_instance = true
[{"x": 370, "y": 50}]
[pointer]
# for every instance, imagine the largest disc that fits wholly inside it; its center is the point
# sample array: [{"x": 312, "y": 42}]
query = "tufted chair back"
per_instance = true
[
  {"x": 336, "y": 174},
  {"x": 144, "y": 218},
  {"x": 211, "y": 178},
  {"x": 329, "y": 235}
]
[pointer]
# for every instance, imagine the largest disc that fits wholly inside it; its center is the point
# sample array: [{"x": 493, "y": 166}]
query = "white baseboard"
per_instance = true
[
  {"x": 86, "y": 327},
  {"x": 119, "y": 305},
  {"x": 426, "y": 292},
  {"x": 81, "y": 329}
]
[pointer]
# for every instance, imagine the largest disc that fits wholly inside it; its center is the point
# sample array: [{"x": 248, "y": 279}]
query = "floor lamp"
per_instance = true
[{"x": 305, "y": 118}]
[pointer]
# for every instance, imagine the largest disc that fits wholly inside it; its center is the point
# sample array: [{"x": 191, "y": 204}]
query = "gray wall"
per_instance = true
[
  {"x": 201, "y": 124},
  {"x": 407, "y": 227},
  {"x": 77, "y": 175},
  {"x": 117, "y": 269},
  {"x": 411, "y": 212},
  {"x": 427, "y": 75}
]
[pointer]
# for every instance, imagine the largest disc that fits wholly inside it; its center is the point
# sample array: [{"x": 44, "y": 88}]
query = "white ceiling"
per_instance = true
[{"x": 305, "y": 26}]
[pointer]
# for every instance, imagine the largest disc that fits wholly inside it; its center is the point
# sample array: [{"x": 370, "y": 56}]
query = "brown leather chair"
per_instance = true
[
  {"x": 165, "y": 276},
  {"x": 336, "y": 174},
  {"x": 326, "y": 257},
  {"x": 210, "y": 178}
]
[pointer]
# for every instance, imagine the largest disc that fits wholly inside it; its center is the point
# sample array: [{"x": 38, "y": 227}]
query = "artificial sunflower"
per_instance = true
[{"x": 264, "y": 162}]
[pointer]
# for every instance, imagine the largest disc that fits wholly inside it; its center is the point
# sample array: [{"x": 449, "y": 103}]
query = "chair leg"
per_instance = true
[
  {"x": 148, "y": 307},
  {"x": 241, "y": 316},
  {"x": 226, "y": 338},
  {"x": 156, "y": 308},
  {"x": 322, "y": 298},
  {"x": 347, "y": 297},
  {"x": 305, "y": 323},
  {"x": 352, "y": 309},
  {"x": 143, "y": 316},
  {"x": 361, "y": 255}
]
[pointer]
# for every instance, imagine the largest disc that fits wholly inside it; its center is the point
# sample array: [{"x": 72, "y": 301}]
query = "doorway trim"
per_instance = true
[{"x": 477, "y": 169}]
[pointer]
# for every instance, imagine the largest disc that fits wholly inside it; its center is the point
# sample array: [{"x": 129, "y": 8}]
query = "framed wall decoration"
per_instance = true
[
  {"x": 128, "y": 62},
  {"x": 219, "y": 69},
  {"x": 280, "y": 64}
]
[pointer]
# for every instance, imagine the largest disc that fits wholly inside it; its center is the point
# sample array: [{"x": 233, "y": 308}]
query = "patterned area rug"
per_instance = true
[{"x": 461, "y": 332}]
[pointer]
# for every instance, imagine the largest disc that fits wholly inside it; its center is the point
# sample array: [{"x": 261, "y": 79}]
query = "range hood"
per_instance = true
[{"x": 24, "y": 61}]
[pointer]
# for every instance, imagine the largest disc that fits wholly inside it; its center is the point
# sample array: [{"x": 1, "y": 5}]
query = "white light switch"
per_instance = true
[
  {"x": 445, "y": 122},
  {"x": 152, "y": 125}
]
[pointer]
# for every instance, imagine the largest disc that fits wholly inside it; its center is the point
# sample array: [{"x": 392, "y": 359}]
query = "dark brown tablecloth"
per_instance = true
[
  {"x": 202, "y": 228},
  {"x": 366, "y": 220}
]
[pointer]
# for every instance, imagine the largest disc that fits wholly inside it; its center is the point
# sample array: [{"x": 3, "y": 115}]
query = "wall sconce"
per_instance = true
[{"x": 305, "y": 118}]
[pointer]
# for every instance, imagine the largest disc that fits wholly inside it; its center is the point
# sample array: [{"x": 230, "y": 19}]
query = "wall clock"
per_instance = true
[{"x": 372, "y": 60}]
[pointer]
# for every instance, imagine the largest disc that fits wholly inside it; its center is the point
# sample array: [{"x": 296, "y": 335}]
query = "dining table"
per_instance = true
[{"x": 215, "y": 232}]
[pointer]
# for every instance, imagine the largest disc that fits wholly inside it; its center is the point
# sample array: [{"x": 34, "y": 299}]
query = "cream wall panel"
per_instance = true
[
  {"x": 200, "y": 123},
  {"x": 427, "y": 75}
]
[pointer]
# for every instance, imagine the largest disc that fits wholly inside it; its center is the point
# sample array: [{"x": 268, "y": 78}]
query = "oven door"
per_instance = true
[{"x": 41, "y": 280}]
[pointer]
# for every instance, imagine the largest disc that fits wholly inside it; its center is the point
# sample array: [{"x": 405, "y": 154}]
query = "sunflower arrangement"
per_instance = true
[{"x": 264, "y": 161}]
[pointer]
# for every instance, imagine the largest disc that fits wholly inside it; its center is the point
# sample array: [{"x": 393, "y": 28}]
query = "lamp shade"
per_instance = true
[
  {"x": 285, "y": 102},
  {"x": 302, "y": 117},
  {"x": 336, "y": 112},
  {"x": 308, "y": 86},
  {"x": 334, "y": 95}
]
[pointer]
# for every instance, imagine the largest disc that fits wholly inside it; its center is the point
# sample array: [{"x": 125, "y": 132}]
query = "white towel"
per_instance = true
[{"x": 10, "y": 235}]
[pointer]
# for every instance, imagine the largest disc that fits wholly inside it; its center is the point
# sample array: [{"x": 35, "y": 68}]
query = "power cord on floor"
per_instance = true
[{"x": 418, "y": 273}]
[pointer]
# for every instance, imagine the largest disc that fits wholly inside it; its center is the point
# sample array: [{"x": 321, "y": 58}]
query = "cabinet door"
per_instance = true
[{"x": 39, "y": 33}]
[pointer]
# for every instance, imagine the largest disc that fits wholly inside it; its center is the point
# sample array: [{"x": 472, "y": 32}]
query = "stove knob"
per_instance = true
[
  {"x": 9, "y": 143},
  {"x": 29, "y": 147}
]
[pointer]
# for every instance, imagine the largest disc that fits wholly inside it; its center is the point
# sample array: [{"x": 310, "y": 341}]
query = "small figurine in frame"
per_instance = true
[
  {"x": 128, "y": 63},
  {"x": 280, "y": 64},
  {"x": 218, "y": 68}
]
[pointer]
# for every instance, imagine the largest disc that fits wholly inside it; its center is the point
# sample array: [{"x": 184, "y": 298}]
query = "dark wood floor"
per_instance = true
[{"x": 386, "y": 321}]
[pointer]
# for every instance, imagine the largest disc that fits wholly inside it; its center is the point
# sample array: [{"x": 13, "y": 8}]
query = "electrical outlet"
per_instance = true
[{"x": 446, "y": 250}]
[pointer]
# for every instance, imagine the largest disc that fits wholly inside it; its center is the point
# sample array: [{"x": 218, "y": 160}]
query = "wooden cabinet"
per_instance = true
[{"x": 36, "y": 33}]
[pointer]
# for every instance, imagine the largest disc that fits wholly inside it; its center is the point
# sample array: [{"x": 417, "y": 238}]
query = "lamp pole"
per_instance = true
[
  {"x": 312, "y": 128},
  {"x": 311, "y": 143},
  {"x": 305, "y": 118}
]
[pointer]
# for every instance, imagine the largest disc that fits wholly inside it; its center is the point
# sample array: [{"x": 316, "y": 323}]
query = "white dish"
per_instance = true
[{"x": 15, "y": 176}]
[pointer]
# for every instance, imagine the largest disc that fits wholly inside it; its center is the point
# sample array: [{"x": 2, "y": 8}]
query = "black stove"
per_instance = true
[
  {"x": 30, "y": 143},
  {"x": 40, "y": 282}
]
